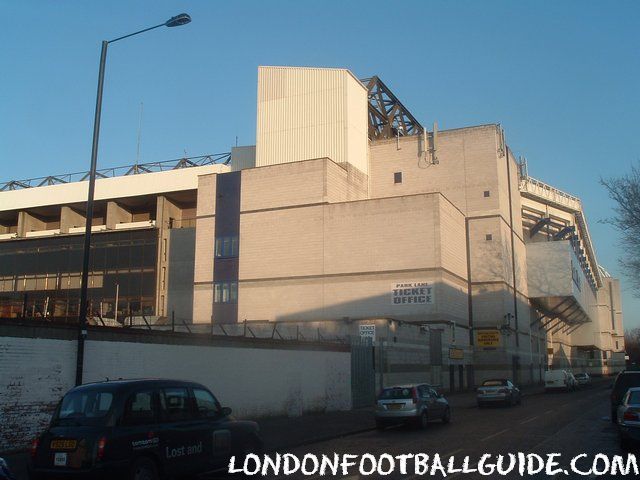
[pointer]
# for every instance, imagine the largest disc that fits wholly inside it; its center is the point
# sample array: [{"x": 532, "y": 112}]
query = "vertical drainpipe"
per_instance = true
[{"x": 513, "y": 250}]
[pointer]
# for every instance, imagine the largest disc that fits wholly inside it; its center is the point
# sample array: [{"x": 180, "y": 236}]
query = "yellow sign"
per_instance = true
[
  {"x": 456, "y": 354},
  {"x": 488, "y": 338}
]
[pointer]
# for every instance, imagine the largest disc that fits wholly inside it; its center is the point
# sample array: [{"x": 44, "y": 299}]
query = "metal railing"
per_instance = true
[
  {"x": 546, "y": 191},
  {"x": 135, "y": 169},
  {"x": 279, "y": 331}
]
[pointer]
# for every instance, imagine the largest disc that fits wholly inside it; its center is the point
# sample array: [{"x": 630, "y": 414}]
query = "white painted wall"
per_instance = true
[{"x": 254, "y": 382}]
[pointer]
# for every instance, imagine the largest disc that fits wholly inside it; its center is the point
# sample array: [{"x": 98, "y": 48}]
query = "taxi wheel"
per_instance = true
[
  {"x": 252, "y": 446},
  {"x": 144, "y": 469},
  {"x": 446, "y": 418}
]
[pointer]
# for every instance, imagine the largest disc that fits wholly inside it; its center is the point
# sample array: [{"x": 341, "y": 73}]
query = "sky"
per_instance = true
[{"x": 561, "y": 77}]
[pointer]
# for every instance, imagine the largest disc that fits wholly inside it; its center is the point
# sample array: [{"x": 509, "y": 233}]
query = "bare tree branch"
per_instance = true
[{"x": 625, "y": 192}]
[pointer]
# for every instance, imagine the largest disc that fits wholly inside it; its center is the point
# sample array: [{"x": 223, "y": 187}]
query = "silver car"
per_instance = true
[
  {"x": 628, "y": 416},
  {"x": 417, "y": 404},
  {"x": 498, "y": 390},
  {"x": 583, "y": 379}
]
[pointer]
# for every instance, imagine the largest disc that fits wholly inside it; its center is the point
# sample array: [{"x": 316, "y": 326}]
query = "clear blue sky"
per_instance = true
[{"x": 562, "y": 77}]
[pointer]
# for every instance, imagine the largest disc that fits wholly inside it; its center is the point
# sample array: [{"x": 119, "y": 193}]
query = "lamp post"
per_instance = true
[{"x": 176, "y": 21}]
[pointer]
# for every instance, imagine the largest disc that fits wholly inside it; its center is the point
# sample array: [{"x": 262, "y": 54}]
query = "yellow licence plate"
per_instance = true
[
  {"x": 394, "y": 406},
  {"x": 63, "y": 444}
]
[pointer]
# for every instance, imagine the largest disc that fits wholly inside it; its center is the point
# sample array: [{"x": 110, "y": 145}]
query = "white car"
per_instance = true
[
  {"x": 628, "y": 418},
  {"x": 559, "y": 380},
  {"x": 584, "y": 380}
]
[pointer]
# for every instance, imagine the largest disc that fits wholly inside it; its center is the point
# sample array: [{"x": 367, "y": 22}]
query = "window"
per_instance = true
[
  {"x": 494, "y": 383},
  {"x": 225, "y": 292},
  {"x": 488, "y": 237},
  {"x": 207, "y": 405},
  {"x": 487, "y": 193},
  {"x": 89, "y": 407},
  {"x": 396, "y": 393},
  {"x": 226, "y": 247},
  {"x": 175, "y": 403},
  {"x": 397, "y": 177},
  {"x": 140, "y": 409}
]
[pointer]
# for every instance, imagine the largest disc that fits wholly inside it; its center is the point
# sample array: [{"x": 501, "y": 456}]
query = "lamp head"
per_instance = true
[{"x": 178, "y": 20}]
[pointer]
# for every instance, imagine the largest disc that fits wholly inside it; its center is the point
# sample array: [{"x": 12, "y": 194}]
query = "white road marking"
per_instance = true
[
  {"x": 495, "y": 435},
  {"x": 446, "y": 455},
  {"x": 450, "y": 454},
  {"x": 471, "y": 467},
  {"x": 530, "y": 420}
]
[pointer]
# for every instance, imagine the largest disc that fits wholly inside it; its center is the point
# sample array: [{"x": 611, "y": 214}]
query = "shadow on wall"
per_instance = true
[{"x": 444, "y": 299}]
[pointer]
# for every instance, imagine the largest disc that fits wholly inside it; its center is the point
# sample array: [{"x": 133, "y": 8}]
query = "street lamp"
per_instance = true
[{"x": 176, "y": 21}]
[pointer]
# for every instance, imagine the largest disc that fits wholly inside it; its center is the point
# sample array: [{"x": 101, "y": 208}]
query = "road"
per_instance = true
[{"x": 566, "y": 423}]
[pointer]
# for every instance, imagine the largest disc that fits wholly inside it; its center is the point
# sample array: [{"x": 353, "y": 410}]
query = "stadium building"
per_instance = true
[{"x": 346, "y": 212}]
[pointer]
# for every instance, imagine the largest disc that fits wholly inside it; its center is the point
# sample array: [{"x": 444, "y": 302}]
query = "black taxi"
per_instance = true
[{"x": 140, "y": 429}]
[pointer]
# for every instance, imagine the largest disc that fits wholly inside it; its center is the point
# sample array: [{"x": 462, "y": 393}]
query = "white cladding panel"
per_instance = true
[
  {"x": 553, "y": 270},
  {"x": 306, "y": 113},
  {"x": 108, "y": 188}
]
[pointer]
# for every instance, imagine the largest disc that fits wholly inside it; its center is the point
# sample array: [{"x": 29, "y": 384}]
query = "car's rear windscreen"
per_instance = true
[
  {"x": 396, "y": 393},
  {"x": 494, "y": 383},
  {"x": 84, "y": 407},
  {"x": 625, "y": 381}
]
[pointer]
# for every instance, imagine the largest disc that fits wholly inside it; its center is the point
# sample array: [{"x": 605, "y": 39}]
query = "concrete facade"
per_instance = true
[{"x": 318, "y": 223}]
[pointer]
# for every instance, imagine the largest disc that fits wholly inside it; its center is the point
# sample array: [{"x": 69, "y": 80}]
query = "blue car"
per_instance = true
[{"x": 5, "y": 474}]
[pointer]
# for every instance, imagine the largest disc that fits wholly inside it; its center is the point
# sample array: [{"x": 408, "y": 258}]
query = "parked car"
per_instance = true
[
  {"x": 5, "y": 473},
  {"x": 559, "y": 380},
  {"x": 623, "y": 382},
  {"x": 499, "y": 390},
  {"x": 417, "y": 404},
  {"x": 584, "y": 380},
  {"x": 628, "y": 416},
  {"x": 139, "y": 429}
]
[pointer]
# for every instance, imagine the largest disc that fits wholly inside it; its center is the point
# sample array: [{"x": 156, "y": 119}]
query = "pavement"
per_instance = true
[{"x": 285, "y": 433}]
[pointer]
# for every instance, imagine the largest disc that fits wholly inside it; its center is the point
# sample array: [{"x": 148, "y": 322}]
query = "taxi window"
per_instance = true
[
  {"x": 207, "y": 404},
  {"x": 84, "y": 407},
  {"x": 140, "y": 409},
  {"x": 175, "y": 403}
]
